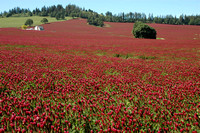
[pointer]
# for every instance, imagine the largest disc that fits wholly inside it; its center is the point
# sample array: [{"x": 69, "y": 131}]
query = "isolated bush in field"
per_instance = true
[
  {"x": 44, "y": 20},
  {"x": 24, "y": 27},
  {"x": 141, "y": 30},
  {"x": 97, "y": 21},
  {"x": 123, "y": 56},
  {"x": 29, "y": 22},
  {"x": 136, "y": 24}
]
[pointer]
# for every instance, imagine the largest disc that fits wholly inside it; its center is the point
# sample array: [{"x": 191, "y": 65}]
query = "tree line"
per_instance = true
[
  {"x": 168, "y": 19},
  {"x": 59, "y": 12}
]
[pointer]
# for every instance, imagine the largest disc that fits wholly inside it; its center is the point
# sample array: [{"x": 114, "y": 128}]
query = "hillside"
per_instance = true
[{"x": 19, "y": 21}]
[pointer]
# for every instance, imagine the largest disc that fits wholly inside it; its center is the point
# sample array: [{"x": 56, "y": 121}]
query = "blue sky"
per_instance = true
[{"x": 157, "y": 7}]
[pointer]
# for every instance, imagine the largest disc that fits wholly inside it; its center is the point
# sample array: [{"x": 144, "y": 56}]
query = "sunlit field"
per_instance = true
[
  {"x": 74, "y": 77},
  {"x": 19, "y": 21}
]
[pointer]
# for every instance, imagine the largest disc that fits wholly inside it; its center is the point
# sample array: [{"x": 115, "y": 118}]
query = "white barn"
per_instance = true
[{"x": 39, "y": 28}]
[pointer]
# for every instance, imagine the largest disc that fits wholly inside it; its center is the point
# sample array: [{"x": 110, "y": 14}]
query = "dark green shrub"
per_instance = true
[
  {"x": 146, "y": 57},
  {"x": 141, "y": 30},
  {"x": 29, "y": 22},
  {"x": 44, "y": 20},
  {"x": 136, "y": 24},
  {"x": 96, "y": 21},
  {"x": 122, "y": 56},
  {"x": 117, "y": 55}
]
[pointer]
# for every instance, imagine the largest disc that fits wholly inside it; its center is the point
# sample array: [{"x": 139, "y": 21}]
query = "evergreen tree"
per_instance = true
[
  {"x": 181, "y": 19},
  {"x": 30, "y": 13}
]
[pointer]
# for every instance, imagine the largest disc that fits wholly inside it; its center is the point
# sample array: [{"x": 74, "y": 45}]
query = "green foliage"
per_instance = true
[
  {"x": 137, "y": 24},
  {"x": 30, "y": 14},
  {"x": 141, "y": 30},
  {"x": 74, "y": 11},
  {"x": 44, "y": 20},
  {"x": 60, "y": 16},
  {"x": 146, "y": 57},
  {"x": 117, "y": 55},
  {"x": 95, "y": 20},
  {"x": 194, "y": 21},
  {"x": 122, "y": 56},
  {"x": 29, "y": 22},
  {"x": 8, "y": 15}
]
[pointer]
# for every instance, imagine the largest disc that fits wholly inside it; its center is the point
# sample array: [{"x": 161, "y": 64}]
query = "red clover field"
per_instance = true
[{"x": 73, "y": 77}]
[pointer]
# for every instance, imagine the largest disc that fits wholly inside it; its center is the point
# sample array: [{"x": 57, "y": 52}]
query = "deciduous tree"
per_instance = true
[
  {"x": 29, "y": 22},
  {"x": 44, "y": 20}
]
